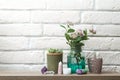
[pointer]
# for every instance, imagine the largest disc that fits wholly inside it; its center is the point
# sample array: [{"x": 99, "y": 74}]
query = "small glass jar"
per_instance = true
[{"x": 95, "y": 64}]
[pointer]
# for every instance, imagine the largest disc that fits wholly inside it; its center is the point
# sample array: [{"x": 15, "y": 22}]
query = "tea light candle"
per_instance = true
[{"x": 66, "y": 70}]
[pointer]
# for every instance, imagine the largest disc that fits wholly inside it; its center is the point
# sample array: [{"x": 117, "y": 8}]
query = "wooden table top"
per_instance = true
[
  {"x": 32, "y": 75},
  {"x": 36, "y": 73}
]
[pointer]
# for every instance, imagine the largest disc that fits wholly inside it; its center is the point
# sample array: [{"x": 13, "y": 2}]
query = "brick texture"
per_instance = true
[
  {"x": 29, "y": 27},
  {"x": 111, "y": 5},
  {"x": 22, "y": 4},
  {"x": 48, "y": 42},
  {"x": 22, "y": 57},
  {"x": 13, "y": 43},
  {"x": 101, "y": 17},
  {"x": 102, "y": 43},
  {"x": 69, "y": 4},
  {"x": 53, "y": 30},
  {"x": 21, "y": 29},
  {"x": 14, "y": 16},
  {"x": 55, "y": 16}
]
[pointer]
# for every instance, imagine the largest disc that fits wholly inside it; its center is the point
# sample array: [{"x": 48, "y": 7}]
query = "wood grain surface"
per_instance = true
[{"x": 22, "y": 75}]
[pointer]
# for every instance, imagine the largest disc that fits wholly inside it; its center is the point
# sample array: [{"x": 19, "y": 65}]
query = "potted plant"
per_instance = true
[
  {"x": 75, "y": 39},
  {"x": 54, "y": 56}
]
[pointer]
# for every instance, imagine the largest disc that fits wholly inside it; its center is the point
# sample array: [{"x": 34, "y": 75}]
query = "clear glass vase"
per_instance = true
[{"x": 73, "y": 62}]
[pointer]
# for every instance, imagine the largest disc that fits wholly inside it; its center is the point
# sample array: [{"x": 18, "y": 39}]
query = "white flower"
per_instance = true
[
  {"x": 80, "y": 32},
  {"x": 92, "y": 31},
  {"x": 70, "y": 23},
  {"x": 73, "y": 35}
]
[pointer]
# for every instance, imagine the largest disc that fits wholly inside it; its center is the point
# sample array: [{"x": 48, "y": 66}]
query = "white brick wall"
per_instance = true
[
  {"x": 22, "y": 57},
  {"x": 8, "y": 16},
  {"x": 22, "y": 4},
  {"x": 55, "y": 16},
  {"x": 29, "y": 27},
  {"x": 70, "y": 4},
  {"x": 108, "y": 30},
  {"x": 111, "y": 5},
  {"x": 52, "y": 30},
  {"x": 48, "y": 42},
  {"x": 101, "y": 17},
  {"x": 103, "y": 43},
  {"x": 21, "y": 29},
  {"x": 13, "y": 43}
]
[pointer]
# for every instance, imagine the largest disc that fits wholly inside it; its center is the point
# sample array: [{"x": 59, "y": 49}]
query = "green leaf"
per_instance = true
[
  {"x": 78, "y": 39},
  {"x": 85, "y": 37},
  {"x": 81, "y": 44},
  {"x": 67, "y": 36},
  {"x": 68, "y": 26},
  {"x": 63, "y": 26},
  {"x": 85, "y": 32},
  {"x": 70, "y": 30}
]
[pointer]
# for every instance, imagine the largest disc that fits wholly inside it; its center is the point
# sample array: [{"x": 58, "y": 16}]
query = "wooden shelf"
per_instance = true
[{"x": 27, "y": 75}]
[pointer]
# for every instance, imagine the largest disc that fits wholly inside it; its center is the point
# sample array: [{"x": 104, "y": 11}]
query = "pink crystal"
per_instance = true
[{"x": 60, "y": 68}]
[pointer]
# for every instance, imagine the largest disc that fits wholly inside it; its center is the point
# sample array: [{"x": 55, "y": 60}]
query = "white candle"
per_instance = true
[{"x": 66, "y": 70}]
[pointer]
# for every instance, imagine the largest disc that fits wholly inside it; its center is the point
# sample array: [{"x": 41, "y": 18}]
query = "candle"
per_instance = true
[{"x": 66, "y": 70}]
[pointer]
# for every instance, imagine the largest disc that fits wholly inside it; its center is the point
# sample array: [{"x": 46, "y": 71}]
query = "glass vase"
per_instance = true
[{"x": 73, "y": 62}]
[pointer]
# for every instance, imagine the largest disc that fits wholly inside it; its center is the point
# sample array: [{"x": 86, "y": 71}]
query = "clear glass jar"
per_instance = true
[{"x": 75, "y": 62}]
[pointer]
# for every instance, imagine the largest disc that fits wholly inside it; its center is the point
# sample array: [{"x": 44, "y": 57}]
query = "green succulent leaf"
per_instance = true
[{"x": 52, "y": 50}]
